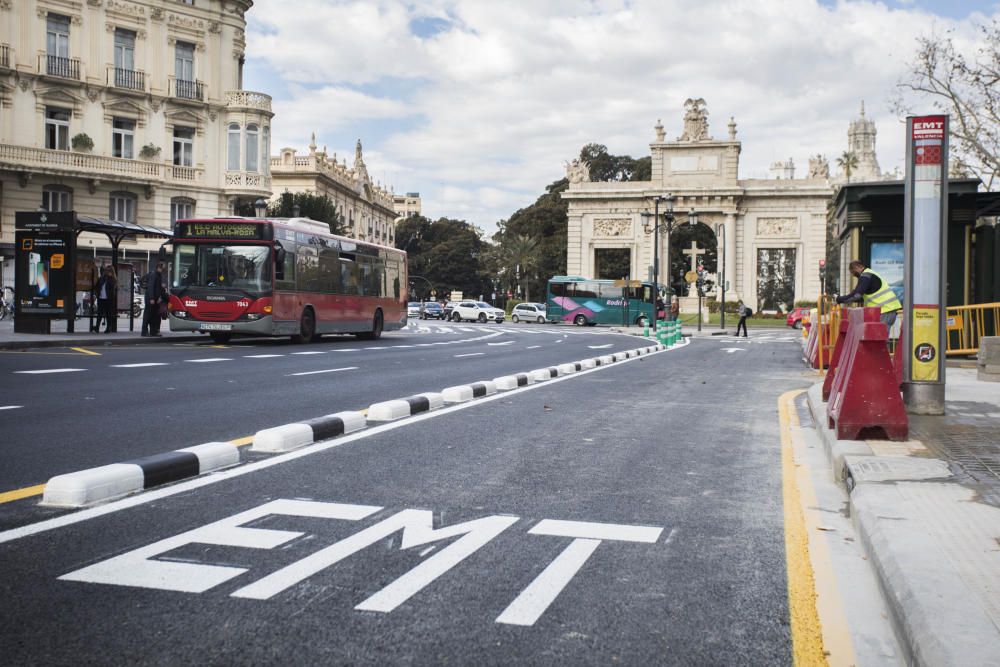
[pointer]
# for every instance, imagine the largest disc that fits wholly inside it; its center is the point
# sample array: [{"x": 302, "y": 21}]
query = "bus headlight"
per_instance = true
[
  {"x": 180, "y": 313},
  {"x": 253, "y": 316}
]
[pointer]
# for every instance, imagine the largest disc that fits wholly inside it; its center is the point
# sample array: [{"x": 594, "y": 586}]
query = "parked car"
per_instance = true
[
  {"x": 431, "y": 309},
  {"x": 476, "y": 311},
  {"x": 529, "y": 312},
  {"x": 795, "y": 315},
  {"x": 413, "y": 309}
]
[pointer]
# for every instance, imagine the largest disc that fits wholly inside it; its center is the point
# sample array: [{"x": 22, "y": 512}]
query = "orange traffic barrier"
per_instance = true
[{"x": 864, "y": 397}]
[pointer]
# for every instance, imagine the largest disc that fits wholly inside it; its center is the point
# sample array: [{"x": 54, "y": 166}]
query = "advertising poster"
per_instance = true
[
  {"x": 924, "y": 363},
  {"x": 43, "y": 264},
  {"x": 887, "y": 261}
]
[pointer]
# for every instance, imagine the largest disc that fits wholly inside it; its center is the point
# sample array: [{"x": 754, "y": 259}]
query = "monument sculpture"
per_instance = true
[
  {"x": 695, "y": 121},
  {"x": 819, "y": 167},
  {"x": 578, "y": 171}
]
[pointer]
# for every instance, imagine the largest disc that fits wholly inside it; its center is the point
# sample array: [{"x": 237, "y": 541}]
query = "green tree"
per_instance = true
[
  {"x": 310, "y": 205},
  {"x": 447, "y": 253},
  {"x": 544, "y": 222},
  {"x": 606, "y": 167},
  {"x": 848, "y": 162},
  {"x": 520, "y": 251}
]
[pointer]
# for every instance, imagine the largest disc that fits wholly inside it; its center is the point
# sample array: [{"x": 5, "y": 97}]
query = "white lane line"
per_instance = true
[
  {"x": 510, "y": 342},
  {"x": 348, "y": 349},
  {"x": 146, "y": 365},
  {"x": 328, "y": 370},
  {"x": 402, "y": 346},
  {"x": 471, "y": 354},
  {"x": 310, "y": 352},
  {"x": 599, "y": 347},
  {"x": 261, "y": 356},
  {"x": 52, "y": 370},
  {"x": 377, "y": 347},
  {"x": 205, "y": 361},
  {"x": 10, "y": 407},
  {"x": 532, "y": 347}
]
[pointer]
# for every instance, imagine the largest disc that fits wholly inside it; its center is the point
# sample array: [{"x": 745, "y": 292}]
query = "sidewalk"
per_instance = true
[
  {"x": 83, "y": 337},
  {"x": 928, "y": 511}
]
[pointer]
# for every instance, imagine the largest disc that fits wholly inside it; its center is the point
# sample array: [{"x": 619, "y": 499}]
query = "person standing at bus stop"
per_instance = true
[
  {"x": 874, "y": 291},
  {"x": 107, "y": 297},
  {"x": 155, "y": 295}
]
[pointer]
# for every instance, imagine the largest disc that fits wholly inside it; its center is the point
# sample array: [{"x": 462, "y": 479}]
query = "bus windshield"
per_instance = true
[{"x": 222, "y": 266}]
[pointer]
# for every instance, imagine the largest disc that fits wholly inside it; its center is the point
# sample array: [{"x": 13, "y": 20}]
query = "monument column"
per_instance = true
[{"x": 730, "y": 251}]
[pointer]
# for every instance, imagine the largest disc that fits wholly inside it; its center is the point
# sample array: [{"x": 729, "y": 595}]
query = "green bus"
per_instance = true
[{"x": 584, "y": 301}]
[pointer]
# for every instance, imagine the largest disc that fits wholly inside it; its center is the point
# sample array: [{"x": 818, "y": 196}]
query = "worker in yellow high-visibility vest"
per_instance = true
[{"x": 874, "y": 290}]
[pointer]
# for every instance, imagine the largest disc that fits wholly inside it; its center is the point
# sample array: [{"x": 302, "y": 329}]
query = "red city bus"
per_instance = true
[{"x": 282, "y": 276}]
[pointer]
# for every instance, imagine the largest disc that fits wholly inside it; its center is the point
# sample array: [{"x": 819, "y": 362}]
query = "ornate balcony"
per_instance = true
[
  {"x": 248, "y": 99},
  {"x": 57, "y": 66},
  {"x": 175, "y": 172},
  {"x": 186, "y": 90},
  {"x": 82, "y": 165},
  {"x": 248, "y": 184},
  {"x": 127, "y": 79}
]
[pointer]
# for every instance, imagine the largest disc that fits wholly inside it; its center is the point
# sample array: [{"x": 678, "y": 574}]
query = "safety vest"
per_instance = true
[{"x": 885, "y": 298}]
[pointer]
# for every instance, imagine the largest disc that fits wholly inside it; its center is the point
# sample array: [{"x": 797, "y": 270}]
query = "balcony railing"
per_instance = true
[
  {"x": 128, "y": 79},
  {"x": 65, "y": 68},
  {"x": 176, "y": 172},
  {"x": 248, "y": 180},
  {"x": 5, "y": 56},
  {"x": 248, "y": 99},
  {"x": 25, "y": 158},
  {"x": 187, "y": 90}
]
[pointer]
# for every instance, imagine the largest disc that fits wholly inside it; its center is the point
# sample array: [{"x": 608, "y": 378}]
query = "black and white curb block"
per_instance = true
[
  {"x": 543, "y": 374},
  {"x": 467, "y": 392},
  {"x": 508, "y": 382},
  {"x": 87, "y": 487},
  {"x": 404, "y": 407},
  {"x": 287, "y": 437}
]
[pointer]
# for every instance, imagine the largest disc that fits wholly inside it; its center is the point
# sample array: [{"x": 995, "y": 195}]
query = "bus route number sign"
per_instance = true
[{"x": 223, "y": 230}]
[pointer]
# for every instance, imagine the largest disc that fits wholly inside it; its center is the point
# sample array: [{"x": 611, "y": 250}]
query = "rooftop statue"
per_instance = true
[
  {"x": 695, "y": 121},
  {"x": 578, "y": 171}
]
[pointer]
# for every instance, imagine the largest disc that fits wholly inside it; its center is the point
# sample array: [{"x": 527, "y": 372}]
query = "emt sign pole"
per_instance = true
[{"x": 925, "y": 228}]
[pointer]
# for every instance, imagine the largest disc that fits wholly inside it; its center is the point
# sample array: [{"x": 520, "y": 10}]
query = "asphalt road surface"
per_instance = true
[{"x": 630, "y": 514}]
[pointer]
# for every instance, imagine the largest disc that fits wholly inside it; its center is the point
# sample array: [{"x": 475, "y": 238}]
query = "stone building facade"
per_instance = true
[
  {"x": 366, "y": 207},
  {"x": 769, "y": 232},
  {"x": 407, "y": 205},
  {"x": 156, "y": 87}
]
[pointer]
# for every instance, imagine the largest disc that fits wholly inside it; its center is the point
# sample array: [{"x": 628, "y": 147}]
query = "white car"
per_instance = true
[
  {"x": 528, "y": 312},
  {"x": 476, "y": 311},
  {"x": 413, "y": 309}
]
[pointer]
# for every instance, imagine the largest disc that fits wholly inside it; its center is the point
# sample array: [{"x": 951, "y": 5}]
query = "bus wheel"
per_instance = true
[
  {"x": 580, "y": 321},
  {"x": 307, "y": 327},
  {"x": 376, "y": 331},
  {"x": 221, "y": 336},
  {"x": 643, "y": 321}
]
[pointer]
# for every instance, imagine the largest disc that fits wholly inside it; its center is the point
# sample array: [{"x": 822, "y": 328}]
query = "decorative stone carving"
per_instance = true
[
  {"x": 156, "y": 13},
  {"x": 778, "y": 227},
  {"x": 612, "y": 227},
  {"x": 819, "y": 167},
  {"x": 188, "y": 22},
  {"x": 732, "y": 128},
  {"x": 154, "y": 104},
  {"x": 94, "y": 3},
  {"x": 126, "y": 8},
  {"x": 695, "y": 121},
  {"x": 5, "y": 4},
  {"x": 578, "y": 171},
  {"x": 24, "y": 83},
  {"x": 93, "y": 94},
  {"x": 214, "y": 27},
  {"x": 661, "y": 134},
  {"x": 212, "y": 116}
]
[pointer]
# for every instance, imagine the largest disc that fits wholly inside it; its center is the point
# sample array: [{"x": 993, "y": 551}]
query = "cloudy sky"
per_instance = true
[{"x": 477, "y": 104}]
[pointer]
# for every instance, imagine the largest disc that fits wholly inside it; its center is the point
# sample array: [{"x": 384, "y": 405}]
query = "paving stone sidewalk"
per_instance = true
[{"x": 928, "y": 510}]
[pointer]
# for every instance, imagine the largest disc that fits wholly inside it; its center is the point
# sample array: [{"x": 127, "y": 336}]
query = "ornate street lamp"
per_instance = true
[
  {"x": 668, "y": 221},
  {"x": 260, "y": 207}
]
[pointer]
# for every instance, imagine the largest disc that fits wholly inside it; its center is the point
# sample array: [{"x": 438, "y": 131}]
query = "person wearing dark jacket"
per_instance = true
[
  {"x": 156, "y": 294},
  {"x": 106, "y": 291}
]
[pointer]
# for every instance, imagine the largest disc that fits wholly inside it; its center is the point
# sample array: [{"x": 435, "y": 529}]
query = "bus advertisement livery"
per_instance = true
[
  {"x": 584, "y": 301},
  {"x": 282, "y": 276}
]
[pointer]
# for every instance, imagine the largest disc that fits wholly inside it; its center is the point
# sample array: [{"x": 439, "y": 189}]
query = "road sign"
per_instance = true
[{"x": 691, "y": 276}]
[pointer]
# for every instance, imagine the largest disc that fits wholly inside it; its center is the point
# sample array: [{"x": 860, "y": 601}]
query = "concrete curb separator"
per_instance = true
[
  {"x": 287, "y": 437},
  {"x": 508, "y": 382},
  {"x": 404, "y": 407},
  {"x": 86, "y": 487}
]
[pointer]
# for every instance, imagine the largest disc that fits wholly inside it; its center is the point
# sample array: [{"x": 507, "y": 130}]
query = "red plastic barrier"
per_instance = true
[
  {"x": 835, "y": 359},
  {"x": 864, "y": 397}
]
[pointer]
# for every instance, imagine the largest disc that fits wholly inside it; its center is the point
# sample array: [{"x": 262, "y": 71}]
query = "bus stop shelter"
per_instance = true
[{"x": 47, "y": 270}]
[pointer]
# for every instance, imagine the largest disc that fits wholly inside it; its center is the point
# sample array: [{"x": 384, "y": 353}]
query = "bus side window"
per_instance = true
[
  {"x": 348, "y": 276},
  {"x": 307, "y": 267},
  {"x": 557, "y": 289},
  {"x": 329, "y": 271}
]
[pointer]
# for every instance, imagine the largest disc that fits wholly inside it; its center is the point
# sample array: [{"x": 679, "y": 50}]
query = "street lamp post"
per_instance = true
[
  {"x": 668, "y": 220},
  {"x": 720, "y": 231}
]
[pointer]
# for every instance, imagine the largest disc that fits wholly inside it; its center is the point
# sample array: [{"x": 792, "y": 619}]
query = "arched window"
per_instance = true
[
  {"x": 57, "y": 198},
  {"x": 253, "y": 147},
  {"x": 233, "y": 160}
]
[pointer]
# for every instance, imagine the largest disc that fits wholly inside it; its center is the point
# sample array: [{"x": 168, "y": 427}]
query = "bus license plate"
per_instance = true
[{"x": 207, "y": 326}]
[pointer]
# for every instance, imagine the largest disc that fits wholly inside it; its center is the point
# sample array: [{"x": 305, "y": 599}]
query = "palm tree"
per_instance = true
[
  {"x": 520, "y": 253},
  {"x": 848, "y": 162}
]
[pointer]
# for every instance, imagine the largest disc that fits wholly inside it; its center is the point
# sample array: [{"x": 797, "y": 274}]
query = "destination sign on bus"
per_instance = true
[{"x": 220, "y": 230}]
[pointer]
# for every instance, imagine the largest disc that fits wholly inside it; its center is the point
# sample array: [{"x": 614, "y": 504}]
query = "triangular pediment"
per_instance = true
[
  {"x": 185, "y": 117},
  {"x": 58, "y": 96},
  {"x": 123, "y": 107}
]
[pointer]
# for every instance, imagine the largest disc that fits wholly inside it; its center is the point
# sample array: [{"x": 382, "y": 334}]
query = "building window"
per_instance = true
[
  {"x": 183, "y": 146},
  {"x": 252, "y": 147},
  {"x": 181, "y": 208},
  {"x": 122, "y": 207},
  {"x": 57, "y": 198},
  {"x": 186, "y": 86},
  {"x": 122, "y": 138},
  {"x": 124, "y": 49},
  {"x": 233, "y": 145},
  {"x": 57, "y": 36},
  {"x": 57, "y": 128},
  {"x": 267, "y": 150}
]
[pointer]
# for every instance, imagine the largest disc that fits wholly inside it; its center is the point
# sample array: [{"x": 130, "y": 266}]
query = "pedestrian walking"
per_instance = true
[
  {"x": 744, "y": 311},
  {"x": 107, "y": 299},
  {"x": 156, "y": 294},
  {"x": 675, "y": 309},
  {"x": 874, "y": 291}
]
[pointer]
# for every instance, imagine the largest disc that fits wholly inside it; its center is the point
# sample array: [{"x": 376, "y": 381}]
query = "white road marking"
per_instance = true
[
  {"x": 146, "y": 365},
  {"x": 471, "y": 354},
  {"x": 328, "y": 370},
  {"x": 402, "y": 346},
  {"x": 310, "y": 352},
  {"x": 377, "y": 347},
  {"x": 261, "y": 356},
  {"x": 730, "y": 350},
  {"x": 349, "y": 349},
  {"x": 205, "y": 361},
  {"x": 599, "y": 347},
  {"x": 532, "y": 347},
  {"x": 509, "y": 342},
  {"x": 10, "y": 407},
  {"x": 52, "y": 370}
]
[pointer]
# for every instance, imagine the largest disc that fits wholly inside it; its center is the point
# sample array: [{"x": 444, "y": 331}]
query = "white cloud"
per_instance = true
[{"x": 480, "y": 116}]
